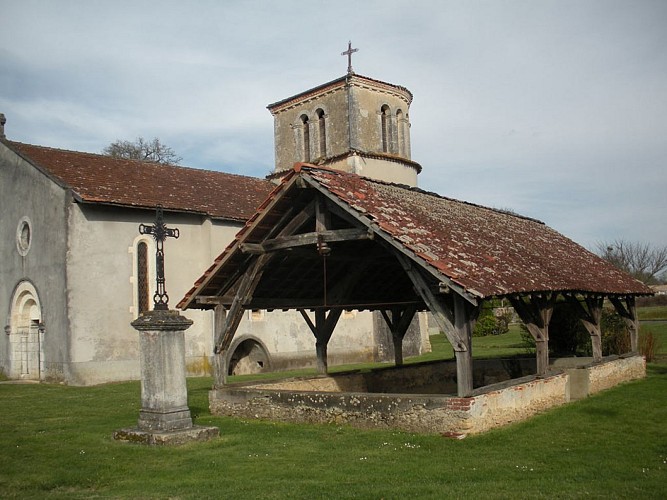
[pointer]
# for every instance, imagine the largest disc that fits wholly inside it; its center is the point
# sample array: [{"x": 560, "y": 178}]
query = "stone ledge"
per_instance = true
[{"x": 194, "y": 433}]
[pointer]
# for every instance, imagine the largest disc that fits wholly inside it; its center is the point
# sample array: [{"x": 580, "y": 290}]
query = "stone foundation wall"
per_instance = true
[
  {"x": 347, "y": 399},
  {"x": 506, "y": 405},
  {"x": 606, "y": 375}
]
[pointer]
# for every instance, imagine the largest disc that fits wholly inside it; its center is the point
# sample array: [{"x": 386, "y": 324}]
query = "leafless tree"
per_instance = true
[
  {"x": 141, "y": 149},
  {"x": 642, "y": 260}
]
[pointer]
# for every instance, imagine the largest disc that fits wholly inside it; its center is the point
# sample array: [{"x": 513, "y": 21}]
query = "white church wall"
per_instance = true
[
  {"x": 32, "y": 251},
  {"x": 101, "y": 277},
  {"x": 289, "y": 343}
]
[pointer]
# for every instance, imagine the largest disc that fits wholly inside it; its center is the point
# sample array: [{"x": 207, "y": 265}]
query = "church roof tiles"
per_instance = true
[{"x": 95, "y": 178}]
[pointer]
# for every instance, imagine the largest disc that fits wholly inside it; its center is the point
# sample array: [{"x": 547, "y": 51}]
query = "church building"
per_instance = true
[{"x": 75, "y": 271}]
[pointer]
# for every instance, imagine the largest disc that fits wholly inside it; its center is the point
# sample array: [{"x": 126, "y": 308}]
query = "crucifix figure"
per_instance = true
[
  {"x": 349, "y": 53},
  {"x": 160, "y": 232}
]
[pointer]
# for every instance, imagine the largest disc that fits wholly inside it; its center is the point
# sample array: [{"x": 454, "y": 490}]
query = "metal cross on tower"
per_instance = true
[
  {"x": 160, "y": 232},
  {"x": 349, "y": 53}
]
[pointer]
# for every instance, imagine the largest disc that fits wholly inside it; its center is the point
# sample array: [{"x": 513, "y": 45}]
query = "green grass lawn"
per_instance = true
[{"x": 55, "y": 442}]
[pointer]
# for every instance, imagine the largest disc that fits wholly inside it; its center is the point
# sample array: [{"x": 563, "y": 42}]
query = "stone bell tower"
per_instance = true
[{"x": 354, "y": 123}]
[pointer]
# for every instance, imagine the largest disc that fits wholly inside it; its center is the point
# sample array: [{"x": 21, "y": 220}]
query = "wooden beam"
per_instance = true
[
  {"x": 442, "y": 313},
  {"x": 304, "y": 239},
  {"x": 457, "y": 322},
  {"x": 590, "y": 314},
  {"x": 322, "y": 215},
  {"x": 243, "y": 294},
  {"x": 311, "y": 305},
  {"x": 322, "y": 329},
  {"x": 627, "y": 309},
  {"x": 298, "y": 220},
  {"x": 398, "y": 323},
  {"x": 216, "y": 300},
  {"x": 219, "y": 358},
  {"x": 465, "y": 316},
  {"x": 536, "y": 315},
  {"x": 352, "y": 215}
]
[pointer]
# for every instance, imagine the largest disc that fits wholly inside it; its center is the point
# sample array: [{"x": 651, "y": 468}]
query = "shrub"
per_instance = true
[
  {"x": 648, "y": 344},
  {"x": 615, "y": 336},
  {"x": 491, "y": 324},
  {"x": 569, "y": 337},
  {"x": 486, "y": 325}
]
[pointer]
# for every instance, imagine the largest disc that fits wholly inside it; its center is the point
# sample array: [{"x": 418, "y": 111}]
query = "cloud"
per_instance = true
[{"x": 552, "y": 108}]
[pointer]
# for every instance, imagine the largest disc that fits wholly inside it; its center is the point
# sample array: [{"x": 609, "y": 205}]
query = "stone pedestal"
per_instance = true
[{"x": 165, "y": 416}]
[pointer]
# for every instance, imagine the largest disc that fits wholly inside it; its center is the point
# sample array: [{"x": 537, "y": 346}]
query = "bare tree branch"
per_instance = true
[
  {"x": 144, "y": 150},
  {"x": 641, "y": 260}
]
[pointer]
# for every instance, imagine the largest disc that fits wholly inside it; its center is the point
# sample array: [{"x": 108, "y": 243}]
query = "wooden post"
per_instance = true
[
  {"x": 243, "y": 295},
  {"x": 398, "y": 323},
  {"x": 322, "y": 329},
  {"x": 322, "y": 361},
  {"x": 458, "y": 331},
  {"x": 590, "y": 317},
  {"x": 321, "y": 341},
  {"x": 219, "y": 358},
  {"x": 628, "y": 311},
  {"x": 536, "y": 315},
  {"x": 465, "y": 316}
]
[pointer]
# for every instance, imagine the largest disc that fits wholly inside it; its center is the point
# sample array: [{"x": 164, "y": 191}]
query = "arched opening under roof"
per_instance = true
[
  {"x": 385, "y": 124},
  {"x": 249, "y": 357},
  {"x": 306, "y": 137},
  {"x": 322, "y": 133}
]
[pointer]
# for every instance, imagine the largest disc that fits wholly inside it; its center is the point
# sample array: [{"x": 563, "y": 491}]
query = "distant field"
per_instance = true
[{"x": 652, "y": 313}]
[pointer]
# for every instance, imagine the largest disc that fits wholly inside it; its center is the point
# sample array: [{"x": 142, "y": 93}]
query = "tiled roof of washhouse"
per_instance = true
[
  {"x": 96, "y": 178},
  {"x": 483, "y": 251}
]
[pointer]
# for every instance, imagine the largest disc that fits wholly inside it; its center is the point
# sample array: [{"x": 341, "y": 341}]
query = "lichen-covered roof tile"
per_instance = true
[{"x": 491, "y": 251}]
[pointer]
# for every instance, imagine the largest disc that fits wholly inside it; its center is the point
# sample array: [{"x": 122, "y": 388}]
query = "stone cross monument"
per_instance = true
[{"x": 165, "y": 416}]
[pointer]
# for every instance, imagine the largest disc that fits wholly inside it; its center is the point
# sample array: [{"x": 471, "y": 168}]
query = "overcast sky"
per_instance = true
[{"x": 554, "y": 109}]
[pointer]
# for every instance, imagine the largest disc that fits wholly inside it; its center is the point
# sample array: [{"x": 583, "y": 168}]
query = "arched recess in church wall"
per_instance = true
[
  {"x": 248, "y": 355},
  {"x": 26, "y": 331}
]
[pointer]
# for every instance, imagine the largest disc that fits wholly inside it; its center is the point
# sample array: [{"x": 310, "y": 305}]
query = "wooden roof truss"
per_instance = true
[{"x": 309, "y": 251}]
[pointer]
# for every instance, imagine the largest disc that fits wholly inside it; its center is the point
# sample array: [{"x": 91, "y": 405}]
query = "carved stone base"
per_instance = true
[
  {"x": 194, "y": 433},
  {"x": 175, "y": 420}
]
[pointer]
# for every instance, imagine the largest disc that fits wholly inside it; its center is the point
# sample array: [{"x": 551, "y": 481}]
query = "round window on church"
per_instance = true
[{"x": 23, "y": 236}]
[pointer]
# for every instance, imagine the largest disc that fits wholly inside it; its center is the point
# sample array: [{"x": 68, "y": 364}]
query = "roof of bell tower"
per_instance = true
[{"x": 340, "y": 83}]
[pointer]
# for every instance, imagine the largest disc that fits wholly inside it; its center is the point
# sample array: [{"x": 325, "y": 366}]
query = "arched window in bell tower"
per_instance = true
[
  {"x": 400, "y": 133},
  {"x": 322, "y": 133},
  {"x": 386, "y": 128},
  {"x": 306, "y": 138}
]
